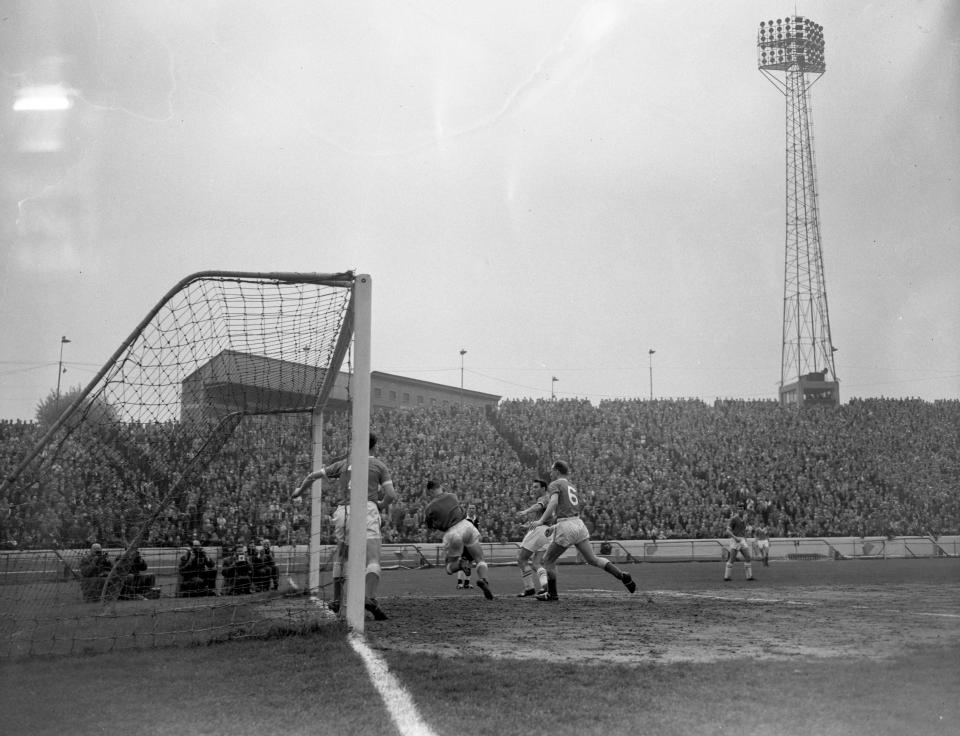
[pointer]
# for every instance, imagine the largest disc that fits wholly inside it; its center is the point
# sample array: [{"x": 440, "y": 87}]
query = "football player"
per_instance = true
[
  {"x": 737, "y": 530},
  {"x": 445, "y": 514},
  {"x": 530, "y": 557}
]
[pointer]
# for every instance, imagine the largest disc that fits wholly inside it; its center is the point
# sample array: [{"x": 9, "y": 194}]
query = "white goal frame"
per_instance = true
[{"x": 353, "y": 605}]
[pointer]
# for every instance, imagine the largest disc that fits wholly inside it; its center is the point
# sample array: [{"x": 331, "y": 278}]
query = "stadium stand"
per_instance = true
[{"x": 650, "y": 469}]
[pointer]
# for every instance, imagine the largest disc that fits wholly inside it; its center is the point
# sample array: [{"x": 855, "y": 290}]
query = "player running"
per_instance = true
[
  {"x": 530, "y": 557},
  {"x": 737, "y": 530},
  {"x": 570, "y": 531},
  {"x": 460, "y": 536}
]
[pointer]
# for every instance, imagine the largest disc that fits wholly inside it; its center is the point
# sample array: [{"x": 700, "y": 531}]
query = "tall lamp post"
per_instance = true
[
  {"x": 650, "y": 353},
  {"x": 63, "y": 341},
  {"x": 553, "y": 382},
  {"x": 463, "y": 351}
]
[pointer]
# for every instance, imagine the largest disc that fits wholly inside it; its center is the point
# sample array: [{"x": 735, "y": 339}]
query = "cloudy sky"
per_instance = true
[{"x": 556, "y": 187}]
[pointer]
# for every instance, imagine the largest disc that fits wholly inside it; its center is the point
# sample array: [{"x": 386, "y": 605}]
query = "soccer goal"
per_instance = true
[{"x": 178, "y": 460}]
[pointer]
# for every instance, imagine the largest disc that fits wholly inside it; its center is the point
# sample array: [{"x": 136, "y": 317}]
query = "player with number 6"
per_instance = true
[{"x": 570, "y": 531}]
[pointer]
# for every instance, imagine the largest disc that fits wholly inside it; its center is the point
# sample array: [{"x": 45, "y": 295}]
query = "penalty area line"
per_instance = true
[{"x": 395, "y": 697}]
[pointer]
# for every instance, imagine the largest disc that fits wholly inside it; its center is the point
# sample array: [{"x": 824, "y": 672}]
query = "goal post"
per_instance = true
[
  {"x": 360, "y": 454},
  {"x": 198, "y": 427}
]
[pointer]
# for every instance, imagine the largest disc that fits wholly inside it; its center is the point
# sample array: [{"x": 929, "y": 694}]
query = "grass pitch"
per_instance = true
[{"x": 810, "y": 648}]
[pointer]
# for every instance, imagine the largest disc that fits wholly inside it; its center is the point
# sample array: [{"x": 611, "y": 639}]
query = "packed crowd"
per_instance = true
[{"x": 648, "y": 469}]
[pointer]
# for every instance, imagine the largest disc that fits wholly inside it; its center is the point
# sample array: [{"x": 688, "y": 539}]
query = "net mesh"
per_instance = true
[{"x": 176, "y": 461}]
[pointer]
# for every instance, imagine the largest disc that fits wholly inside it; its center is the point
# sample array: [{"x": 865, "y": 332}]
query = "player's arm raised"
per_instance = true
[
  {"x": 308, "y": 481},
  {"x": 549, "y": 512},
  {"x": 536, "y": 508}
]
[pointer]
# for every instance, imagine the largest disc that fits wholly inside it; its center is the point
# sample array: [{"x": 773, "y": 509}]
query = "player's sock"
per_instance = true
[
  {"x": 371, "y": 605},
  {"x": 526, "y": 575},
  {"x": 485, "y": 588},
  {"x": 748, "y": 569},
  {"x": 613, "y": 570},
  {"x": 552, "y": 585},
  {"x": 727, "y": 570},
  {"x": 542, "y": 577}
]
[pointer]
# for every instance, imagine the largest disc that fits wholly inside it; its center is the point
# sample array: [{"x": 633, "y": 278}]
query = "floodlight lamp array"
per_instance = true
[{"x": 795, "y": 42}]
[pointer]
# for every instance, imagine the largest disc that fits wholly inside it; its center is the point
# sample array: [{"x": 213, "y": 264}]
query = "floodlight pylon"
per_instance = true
[{"x": 790, "y": 54}]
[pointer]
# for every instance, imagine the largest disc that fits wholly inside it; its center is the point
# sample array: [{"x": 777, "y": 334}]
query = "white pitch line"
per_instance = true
[
  {"x": 395, "y": 697},
  {"x": 938, "y": 615},
  {"x": 737, "y": 599},
  {"x": 908, "y": 613}
]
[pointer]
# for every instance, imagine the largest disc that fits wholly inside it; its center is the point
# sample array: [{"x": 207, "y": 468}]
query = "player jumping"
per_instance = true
[{"x": 446, "y": 514}]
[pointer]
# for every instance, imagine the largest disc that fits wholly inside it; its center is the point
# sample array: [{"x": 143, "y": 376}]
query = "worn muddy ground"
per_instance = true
[{"x": 867, "y": 610}]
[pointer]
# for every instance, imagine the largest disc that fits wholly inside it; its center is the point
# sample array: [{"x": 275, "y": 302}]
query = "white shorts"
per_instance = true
[
  {"x": 537, "y": 538},
  {"x": 342, "y": 514},
  {"x": 763, "y": 544},
  {"x": 460, "y": 535},
  {"x": 570, "y": 531},
  {"x": 739, "y": 544}
]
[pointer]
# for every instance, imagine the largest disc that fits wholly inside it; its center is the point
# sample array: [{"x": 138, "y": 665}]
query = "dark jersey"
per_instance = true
[
  {"x": 377, "y": 473},
  {"x": 568, "y": 503},
  {"x": 737, "y": 526},
  {"x": 443, "y": 512}
]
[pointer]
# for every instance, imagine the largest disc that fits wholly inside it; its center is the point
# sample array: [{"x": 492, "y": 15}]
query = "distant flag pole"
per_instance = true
[
  {"x": 60, "y": 369},
  {"x": 553, "y": 382},
  {"x": 651, "y": 352}
]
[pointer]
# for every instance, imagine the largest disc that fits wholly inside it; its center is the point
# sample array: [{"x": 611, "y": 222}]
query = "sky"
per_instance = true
[{"x": 556, "y": 187}]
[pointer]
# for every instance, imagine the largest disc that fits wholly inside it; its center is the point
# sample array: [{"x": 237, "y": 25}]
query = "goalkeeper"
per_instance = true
[{"x": 461, "y": 539}]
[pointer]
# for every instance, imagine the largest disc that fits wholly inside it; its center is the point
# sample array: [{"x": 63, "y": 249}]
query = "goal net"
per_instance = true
[{"x": 156, "y": 506}]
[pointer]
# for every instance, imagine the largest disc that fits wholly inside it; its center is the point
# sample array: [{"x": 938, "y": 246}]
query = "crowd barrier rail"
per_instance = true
[{"x": 27, "y": 566}]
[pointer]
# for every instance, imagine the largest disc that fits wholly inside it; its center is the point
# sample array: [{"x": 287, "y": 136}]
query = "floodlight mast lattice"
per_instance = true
[{"x": 790, "y": 54}]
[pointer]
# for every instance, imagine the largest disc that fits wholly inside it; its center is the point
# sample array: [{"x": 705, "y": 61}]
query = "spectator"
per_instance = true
[
  {"x": 265, "y": 572},
  {"x": 198, "y": 573},
  {"x": 136, "y": 582},
  {"x": 869, "y": 467},
  {"x": 237, "y": 570},
  {"x": 95, "y": 567}
]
